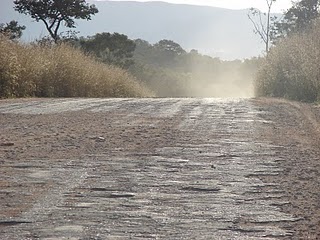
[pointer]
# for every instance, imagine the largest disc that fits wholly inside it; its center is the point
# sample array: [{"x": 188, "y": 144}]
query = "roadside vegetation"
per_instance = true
[
  {"x": 53, "y": 68},
  {"x": 171, "y": 71},
  {"x": 108, "y": 65},
  {"x": 112, "y": 65},
  {"x": 291, "y": 68},
  {"x": 60, "y": 71}
]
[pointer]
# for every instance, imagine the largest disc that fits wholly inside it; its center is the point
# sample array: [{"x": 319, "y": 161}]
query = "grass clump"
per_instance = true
[
  {"x": 291, "y": 69},
  {"x": 30, "y": 70}
]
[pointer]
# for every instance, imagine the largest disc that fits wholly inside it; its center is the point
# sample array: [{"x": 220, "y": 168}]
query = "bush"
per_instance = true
[
  {"x": 291, "y": 69},
  {"x": 60, "y": 71}
]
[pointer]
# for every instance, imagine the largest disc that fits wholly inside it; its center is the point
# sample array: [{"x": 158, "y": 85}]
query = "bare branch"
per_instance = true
[
  {"x": 257, "y": 29},
  {"x": 261, "y": 27}
]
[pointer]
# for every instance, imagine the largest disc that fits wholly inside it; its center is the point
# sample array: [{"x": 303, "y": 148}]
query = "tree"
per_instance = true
[
  {"x": 166, "y": 53},
  {"x": 116, "y": 49},
  {"x": 262, "y": 22},
  {"x": 297, "y": 19},
  {"x": 170, "y": 46},
  {"x": 12, "y": 29},
  {"x": 54, "y": 12}
]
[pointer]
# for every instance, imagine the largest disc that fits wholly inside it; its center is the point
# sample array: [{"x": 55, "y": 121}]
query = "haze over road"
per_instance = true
[{"x": 140, "y": 169}]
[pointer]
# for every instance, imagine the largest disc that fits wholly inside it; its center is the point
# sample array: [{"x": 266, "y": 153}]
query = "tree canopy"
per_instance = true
[
  {"x": 53, "y": 13},
  {"x": 116, "y": 49},
  {"x": 170, "y": 46},
  {"x": 169, "y": 70},
  {"x": 296, "y": 19},
  {"x": 12, "y": 29}
]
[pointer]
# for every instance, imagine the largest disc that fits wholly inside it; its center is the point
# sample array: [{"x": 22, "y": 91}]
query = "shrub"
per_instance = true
[
  {"x": 60, "y": 71},
  {"x": 291, "y": 69}
]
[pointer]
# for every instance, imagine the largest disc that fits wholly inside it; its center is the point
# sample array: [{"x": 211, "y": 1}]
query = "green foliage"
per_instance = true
[
  {"x": 115, "y": 49},
  {"x": 170, "y": 71},
  {"x": 55, "y": 12},
  {"x": 60, "y": 71},
  {"x": 12, "y": 30},
  {"x": 297, "y": 19},
  {"x": 291, "y": 69},
  {"x": 169, "y": 47},
  {"x": 165, "y": 53}
]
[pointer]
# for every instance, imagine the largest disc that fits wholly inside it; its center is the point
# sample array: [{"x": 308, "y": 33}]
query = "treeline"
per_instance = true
[
  {"x": 47, "y": 69},
  {"x": 291, "y": 68},
  {"x": 171, "y": 71}
]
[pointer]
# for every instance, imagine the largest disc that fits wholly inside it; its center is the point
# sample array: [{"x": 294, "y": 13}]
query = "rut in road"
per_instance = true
[{"x": 188, "y": 171}]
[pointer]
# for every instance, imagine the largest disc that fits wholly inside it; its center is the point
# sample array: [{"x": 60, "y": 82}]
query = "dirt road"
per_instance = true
[{"x": 159, "y": 169}]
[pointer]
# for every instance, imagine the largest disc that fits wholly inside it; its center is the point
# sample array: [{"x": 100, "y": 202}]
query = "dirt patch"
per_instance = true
[{"x": 296, "y": 126}]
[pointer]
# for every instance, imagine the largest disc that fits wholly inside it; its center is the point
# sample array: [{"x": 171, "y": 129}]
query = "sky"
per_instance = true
[{"x": 278, "y": 6}]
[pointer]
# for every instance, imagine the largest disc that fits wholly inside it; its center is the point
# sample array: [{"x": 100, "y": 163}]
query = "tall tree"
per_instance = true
[
  {"x": 170, "y": 46},
  {"x": 166, "y": 52},
  {"x": 262, "y": 23},
  {"x": 116, "y": 49},
  {"x": 12, "y": 29},
  {"x": 53, "y": 13},
  {"x": 297, "y": 19}
]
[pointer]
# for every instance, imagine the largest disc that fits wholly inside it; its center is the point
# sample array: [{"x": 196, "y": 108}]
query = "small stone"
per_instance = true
[
  {"x": 7, "y": 144},
  {"x": 100, "y": 139}
]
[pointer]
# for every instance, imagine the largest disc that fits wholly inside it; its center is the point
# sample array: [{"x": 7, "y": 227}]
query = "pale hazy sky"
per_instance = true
[{"x": 278, "y": 6}]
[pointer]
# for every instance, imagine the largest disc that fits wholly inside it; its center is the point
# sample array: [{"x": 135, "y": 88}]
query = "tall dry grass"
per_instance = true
[
  {"x": 60, "y": 71},
  {"x": 292, "y": 68}
]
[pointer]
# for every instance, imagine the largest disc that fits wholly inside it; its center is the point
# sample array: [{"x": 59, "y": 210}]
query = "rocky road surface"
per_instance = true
[{"x": 159, "y": 169}]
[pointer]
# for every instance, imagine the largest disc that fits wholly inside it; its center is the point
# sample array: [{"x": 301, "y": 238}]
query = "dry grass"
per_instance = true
[
  {"x": 60, "y": 71},
  {"x": 291, "y": 69}
]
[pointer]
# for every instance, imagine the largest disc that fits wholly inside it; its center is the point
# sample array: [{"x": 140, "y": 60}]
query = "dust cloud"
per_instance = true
[
  {"x": 225, "y": 89},
  {"x": 226, "y": 79}
]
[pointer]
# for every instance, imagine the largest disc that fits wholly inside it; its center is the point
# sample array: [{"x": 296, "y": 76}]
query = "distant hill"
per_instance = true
[{"x": 214, "y": 31}]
